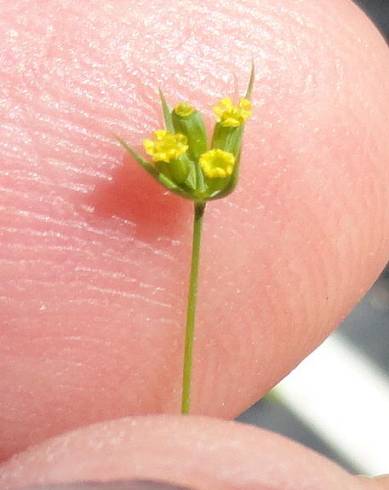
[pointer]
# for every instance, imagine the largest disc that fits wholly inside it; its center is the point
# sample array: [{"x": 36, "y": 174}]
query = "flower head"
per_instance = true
[
  {"x": 217, "y": 163},
  {"x": 166, "y": 146},
  {"x": 183, "y": 109},
  {"x": 185, "y": 160},
  {"x": 230, "y": 115}
]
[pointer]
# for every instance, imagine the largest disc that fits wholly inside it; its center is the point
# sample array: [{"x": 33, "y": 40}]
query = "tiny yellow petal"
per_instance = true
[
  {"x": 181, "y": 138},
  {"x": 148, "y": 145},
  {"x": 222, "y": 106},
  {"x": 245, "y": 104},
  {"x": 230, "y": 115},
  {"x": 160, "y": 134},
  {"x": 245, "y": 107},
  {"x": 183, "y": 109},
  {"x": 217, "y": 163},
  {"x": 166, "y": 146}
]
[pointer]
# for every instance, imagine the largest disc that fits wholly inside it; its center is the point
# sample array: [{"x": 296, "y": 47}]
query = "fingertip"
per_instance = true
[{"x": 195, "y": 452}]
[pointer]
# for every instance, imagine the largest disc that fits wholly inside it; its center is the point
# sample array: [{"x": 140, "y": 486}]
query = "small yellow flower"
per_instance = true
[
  {"x": 166, "y": 146},
  {"x": 230, "y": 115},
  {"x": 217, "y": 163},
  {"x": 183, "y": 109}
]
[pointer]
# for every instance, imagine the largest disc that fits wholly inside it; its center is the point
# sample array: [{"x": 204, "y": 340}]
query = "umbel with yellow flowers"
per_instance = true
[
  {"x": 182, "y": 158},
  {"x": 185, "y": 162}
]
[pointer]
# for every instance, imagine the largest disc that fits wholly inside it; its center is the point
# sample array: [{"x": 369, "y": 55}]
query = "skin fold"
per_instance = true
[
  {"x": 94, "y": 255},
  {"x": 197, "y": 452}
]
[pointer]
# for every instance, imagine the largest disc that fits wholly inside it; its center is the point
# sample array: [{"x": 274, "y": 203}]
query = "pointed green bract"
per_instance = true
[
  {"x": 152, "y": 170},
  {"x": 201, "y": 185},
  {"x": 167, "y": 117},
  {"x": 142, "y": 162},
  {"x": 251, "y": 81},
  {"x": 191, "y": 180},
  {"x": 169, "y": 184}
]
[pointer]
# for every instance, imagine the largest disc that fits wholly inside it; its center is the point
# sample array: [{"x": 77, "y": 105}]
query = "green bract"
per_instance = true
[{"x": 184, "y": 162}]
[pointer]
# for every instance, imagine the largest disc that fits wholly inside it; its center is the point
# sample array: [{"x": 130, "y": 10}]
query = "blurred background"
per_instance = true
[{"x": 337, "y": 400}]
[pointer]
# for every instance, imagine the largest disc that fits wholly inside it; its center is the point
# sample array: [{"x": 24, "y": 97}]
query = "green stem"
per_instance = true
[{"x": 191, "y": 308}]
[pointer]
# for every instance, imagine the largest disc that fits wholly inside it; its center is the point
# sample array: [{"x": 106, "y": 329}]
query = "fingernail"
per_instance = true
[{"x": 111, "y": 485}]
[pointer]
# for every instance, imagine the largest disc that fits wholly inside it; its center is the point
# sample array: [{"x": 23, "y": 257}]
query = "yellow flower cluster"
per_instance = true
[
  {"x": 183, "y": 109},
  {"x": 187, "y": 161},
  {"x": 217, "y": 163},
  {"x": 166, "y": 146},
  {"x": 230, "y": 115},
  {"x": 170, "y": 146}
]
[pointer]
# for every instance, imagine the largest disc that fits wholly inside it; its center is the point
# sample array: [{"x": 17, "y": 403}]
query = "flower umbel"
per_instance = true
[
  {"x": 184, "y": 162},
  {"x": 217, "y": 163},
  {"x": 183, "y": 159},
  {"x": 166, "y": 146},
  {"x": 230, "y": 115}
]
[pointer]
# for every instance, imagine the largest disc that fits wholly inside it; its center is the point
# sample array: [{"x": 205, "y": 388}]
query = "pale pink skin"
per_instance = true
[
  {"x": 206, "y": 454},
  {"x": 94, "y": 254}
]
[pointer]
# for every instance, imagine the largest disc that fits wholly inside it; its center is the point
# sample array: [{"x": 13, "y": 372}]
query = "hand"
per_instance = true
[{"x": 94, "y": 255}]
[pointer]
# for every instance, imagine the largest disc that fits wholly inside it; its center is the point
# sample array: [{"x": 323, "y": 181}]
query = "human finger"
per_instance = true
[{"x": 94, "y": 255}]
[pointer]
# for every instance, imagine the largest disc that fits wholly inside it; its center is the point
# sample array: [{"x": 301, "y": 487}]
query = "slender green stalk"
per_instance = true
[{"x": 191, "y": 308}]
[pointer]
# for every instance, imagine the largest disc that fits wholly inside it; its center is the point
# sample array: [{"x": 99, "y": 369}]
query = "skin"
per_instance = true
[
  {"x": 193, "y": 451},
  {"x": 94, "y": 255}
]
